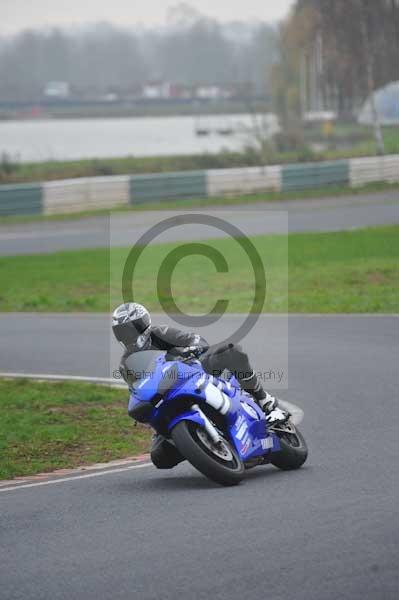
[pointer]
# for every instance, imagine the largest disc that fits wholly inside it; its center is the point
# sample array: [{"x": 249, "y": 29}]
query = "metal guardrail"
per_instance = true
[{"x": 93, "y": 193}]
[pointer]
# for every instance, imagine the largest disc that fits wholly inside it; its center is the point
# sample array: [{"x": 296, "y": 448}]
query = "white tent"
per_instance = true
[{"x": 387, "y": 100}]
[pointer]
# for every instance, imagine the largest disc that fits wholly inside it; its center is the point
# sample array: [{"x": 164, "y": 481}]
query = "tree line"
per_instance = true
[
  {"x": 105, "y": 58},
  {"x": 326, "y": 55}
]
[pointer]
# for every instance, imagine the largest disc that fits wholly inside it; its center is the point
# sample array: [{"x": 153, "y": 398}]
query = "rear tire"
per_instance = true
[
  {"x": 222, "y": 471},
  {"x": 293, "y": 453}
]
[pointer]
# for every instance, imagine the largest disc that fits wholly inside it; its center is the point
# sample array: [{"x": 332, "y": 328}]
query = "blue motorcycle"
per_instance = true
[{"x": 213, "y": 424}]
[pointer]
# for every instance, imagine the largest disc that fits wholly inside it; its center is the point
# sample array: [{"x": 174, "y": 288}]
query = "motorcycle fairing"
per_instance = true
[
  {"x": 249, "y": 431},
  {"x": 245, "y": 421},
  {"x": 192, "y": 415}
]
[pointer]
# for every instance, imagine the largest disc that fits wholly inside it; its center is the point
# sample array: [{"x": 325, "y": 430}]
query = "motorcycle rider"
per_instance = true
[{"x": 132, "y": 327}]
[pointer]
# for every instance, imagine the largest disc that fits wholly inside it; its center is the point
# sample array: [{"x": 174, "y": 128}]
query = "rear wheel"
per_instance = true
[
  {"x": 294, "y": 450},
  {"x": 219, "y": 462}
]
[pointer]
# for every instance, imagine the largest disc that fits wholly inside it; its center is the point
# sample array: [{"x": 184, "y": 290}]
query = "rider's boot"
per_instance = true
[
  {"x": 275, "y": 415},
  {"x": 164, "y": 454}
]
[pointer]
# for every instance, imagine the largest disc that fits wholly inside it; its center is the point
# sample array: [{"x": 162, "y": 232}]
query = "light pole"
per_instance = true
[{"x": 369, "y": 58}]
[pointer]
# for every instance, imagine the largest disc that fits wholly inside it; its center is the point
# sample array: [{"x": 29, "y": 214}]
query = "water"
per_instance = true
[{"x": 57, "y": 139}]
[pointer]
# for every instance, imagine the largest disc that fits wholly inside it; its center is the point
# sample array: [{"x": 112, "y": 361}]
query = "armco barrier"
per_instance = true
[
  {"x": 303, "y": 176},
  {"x": 223, "y": 182},
  {"x": 21, "y": 200},
  {"x": 366, "y": 170},
  {"x": 374, "y": 169},
  {"x": 167, "y": 186},
  {"x": 391, "y": 169},
  {"x": 89, "y": 193},
  {"x": 76, "y": 195}
]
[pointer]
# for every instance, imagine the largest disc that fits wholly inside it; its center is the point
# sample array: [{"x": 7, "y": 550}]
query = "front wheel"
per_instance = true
[
  {"x": 219, "y": 462},
  {"x": 294, "y": 450}
]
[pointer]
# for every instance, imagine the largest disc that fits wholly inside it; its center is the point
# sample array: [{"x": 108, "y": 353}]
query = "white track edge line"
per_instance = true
[
  {"x": 74, "y": 478},
  {"x": 48, "y": 377},
  {"x": 297, "y": 417}
]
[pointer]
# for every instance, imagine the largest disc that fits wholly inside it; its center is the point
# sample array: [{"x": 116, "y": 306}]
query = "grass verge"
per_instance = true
[
  {"x": 326, "y": 191},
  {"x": 343, "y": 272},
  {"x": 47, "y": 426},
  {"x": 359, "y": 141}
]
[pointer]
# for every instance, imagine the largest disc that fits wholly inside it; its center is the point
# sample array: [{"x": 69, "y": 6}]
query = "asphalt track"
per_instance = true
[
  {"x": 325, "y": 532},
  {"x": 124, "y": 229}
]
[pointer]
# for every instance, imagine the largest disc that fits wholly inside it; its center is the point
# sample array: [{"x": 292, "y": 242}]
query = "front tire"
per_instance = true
[
  {"x": 294, "y": 450},
  {"x": 223, "y": 465}
]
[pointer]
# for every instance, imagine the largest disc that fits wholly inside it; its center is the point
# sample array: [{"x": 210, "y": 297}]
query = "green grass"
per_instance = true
[
  {"x": 354, "y": 271},
  {"x": 359, "y": 139},
  {"x": 345, "y": 272},
  {"x": 61, "y": 282},
  {"x": 326, "y": 191},
  {"x": 47, "y": 426},
  {"x": 391, "y": 142}
]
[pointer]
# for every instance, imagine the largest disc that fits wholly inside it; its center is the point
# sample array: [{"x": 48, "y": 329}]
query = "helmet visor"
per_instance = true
[{"x": 131, "y": 335}]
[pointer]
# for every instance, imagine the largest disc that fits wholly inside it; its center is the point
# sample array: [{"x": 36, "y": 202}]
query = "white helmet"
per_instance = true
[{"x": 131, "y": 324}]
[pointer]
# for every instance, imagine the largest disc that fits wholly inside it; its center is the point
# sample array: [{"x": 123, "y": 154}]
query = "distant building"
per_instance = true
[
  {"x": 166, "y": 90},
  {"x": 180, "y": 91},
  {"x": 57, "y": 89},
  {"x": 110, "y": 97},
  {"x": 157, "y": 90},
  {"x": 212, "y": 92},
  {"x": 320, "y": 116}
]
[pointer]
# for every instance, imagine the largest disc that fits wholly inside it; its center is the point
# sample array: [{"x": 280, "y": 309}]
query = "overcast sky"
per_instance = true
[{"x": 20, "y": 14}]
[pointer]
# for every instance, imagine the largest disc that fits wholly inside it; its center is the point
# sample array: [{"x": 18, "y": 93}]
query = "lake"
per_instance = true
[{"x": 70, "y": 139}]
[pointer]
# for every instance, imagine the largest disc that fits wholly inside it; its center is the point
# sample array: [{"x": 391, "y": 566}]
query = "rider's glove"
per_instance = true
[
  {"x": 186, "y": 353},
  {"x": 194, "y": 351}
]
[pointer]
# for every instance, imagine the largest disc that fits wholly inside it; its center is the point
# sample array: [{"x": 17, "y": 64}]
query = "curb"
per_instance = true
[
  {"x": 61, "y": 473},
  {"x": 297, "y": 417},
  {"x": 44, "y": 377}
]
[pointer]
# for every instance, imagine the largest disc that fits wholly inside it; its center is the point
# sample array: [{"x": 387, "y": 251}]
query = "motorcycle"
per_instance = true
[{"x": 211, "y": 421}]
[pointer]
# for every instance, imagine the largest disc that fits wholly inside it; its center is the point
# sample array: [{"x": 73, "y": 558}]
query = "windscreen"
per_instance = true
[{"x": 141, "y": 365}]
